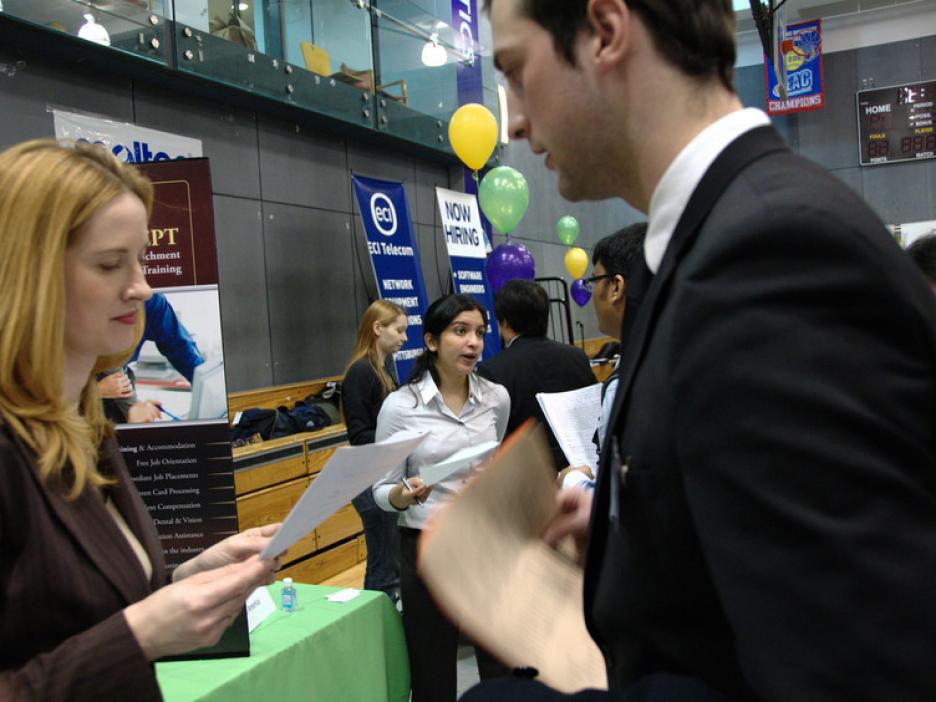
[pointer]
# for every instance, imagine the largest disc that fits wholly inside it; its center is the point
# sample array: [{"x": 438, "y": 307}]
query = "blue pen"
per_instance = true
[{"x": 169, "y": 414}]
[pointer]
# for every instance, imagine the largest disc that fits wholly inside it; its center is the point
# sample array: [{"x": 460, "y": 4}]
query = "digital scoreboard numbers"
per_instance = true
[{"x": 896, "y": 124}]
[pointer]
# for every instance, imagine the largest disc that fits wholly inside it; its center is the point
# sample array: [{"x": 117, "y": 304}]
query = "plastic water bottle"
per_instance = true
[{"x": 288, "y": 599}]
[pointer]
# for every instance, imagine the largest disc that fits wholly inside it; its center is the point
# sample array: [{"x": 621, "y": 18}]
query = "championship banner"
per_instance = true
[
  {"x": 464, "y": 239},
  {"x": 394, "y": 258},
  {"x": 128, "y": 142},
  {"x": 799, "y": 64},
  {"x": 174, "y": 434}
]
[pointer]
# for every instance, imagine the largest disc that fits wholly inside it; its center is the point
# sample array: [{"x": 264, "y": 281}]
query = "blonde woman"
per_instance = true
[
  {"x": 369, "y": 378},
  {"x": 86, "y": 603}
]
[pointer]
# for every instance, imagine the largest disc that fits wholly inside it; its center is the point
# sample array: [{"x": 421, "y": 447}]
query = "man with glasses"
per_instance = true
[
  {"x": 616, "y": 284},
  {"x": 923, "y": 253}
]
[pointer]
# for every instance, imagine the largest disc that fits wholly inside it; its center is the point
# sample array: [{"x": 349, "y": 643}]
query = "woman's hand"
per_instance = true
[
  {"x": 143, "y": 412},
  {"x": 403, "y": 497},
  {"x": 233, "y": 549},
  {"x": 194, "y": 612},
  {"x": 115, "y": 386}
]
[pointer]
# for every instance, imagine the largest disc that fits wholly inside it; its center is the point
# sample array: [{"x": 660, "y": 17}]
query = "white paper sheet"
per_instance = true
[
  {"x": 259, "y": 606},
  {"x": 347, "y": 473},
  {"x": 468, "y": 456},
  {"x": 346, "y": 595},
  {"x": 573, "y": 417}
]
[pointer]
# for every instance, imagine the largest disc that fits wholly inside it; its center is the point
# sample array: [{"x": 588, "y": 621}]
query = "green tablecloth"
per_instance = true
[{"x": 327, "y": 651}]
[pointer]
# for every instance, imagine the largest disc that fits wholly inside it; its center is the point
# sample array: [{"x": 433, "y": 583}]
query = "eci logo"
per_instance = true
[{"x": 384, "y": 214}]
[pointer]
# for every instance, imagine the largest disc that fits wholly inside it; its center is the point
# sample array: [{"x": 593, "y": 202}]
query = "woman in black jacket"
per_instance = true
[{"x": 369, "y": 378}]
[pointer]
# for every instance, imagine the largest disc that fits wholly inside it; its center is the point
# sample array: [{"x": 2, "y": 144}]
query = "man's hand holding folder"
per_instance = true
[{"x": 485, "y": 561}]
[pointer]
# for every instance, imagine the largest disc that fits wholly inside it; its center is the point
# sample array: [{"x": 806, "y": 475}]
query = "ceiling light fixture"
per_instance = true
[
  {"x": 92, "y": 31},
  {"x": 433, "y": 53}
]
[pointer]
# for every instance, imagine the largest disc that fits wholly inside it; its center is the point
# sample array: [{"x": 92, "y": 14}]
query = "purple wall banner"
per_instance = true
[
  {"x": 394, "y": 257},
  {"x": 464, "y": 239}
]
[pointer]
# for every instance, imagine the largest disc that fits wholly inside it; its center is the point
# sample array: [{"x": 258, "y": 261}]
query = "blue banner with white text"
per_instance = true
[
  {"x": 464, "y": 240},
  {"x": 395, "y": 258},
  {"x": 468, "y": 77}
]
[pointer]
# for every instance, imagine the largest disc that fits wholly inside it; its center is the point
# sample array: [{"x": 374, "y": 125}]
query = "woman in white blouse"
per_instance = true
[{"x": 445, "y": 397}]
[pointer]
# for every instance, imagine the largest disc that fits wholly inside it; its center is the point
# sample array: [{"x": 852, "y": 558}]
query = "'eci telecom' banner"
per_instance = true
[
  {"x": 801, "y": 51},
  {"x": 464, "y": 239},
  {"x": 395, "y": 258}
]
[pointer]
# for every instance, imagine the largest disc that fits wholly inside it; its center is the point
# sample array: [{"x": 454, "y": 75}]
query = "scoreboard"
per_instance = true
[{"x": 896, "y": 123}]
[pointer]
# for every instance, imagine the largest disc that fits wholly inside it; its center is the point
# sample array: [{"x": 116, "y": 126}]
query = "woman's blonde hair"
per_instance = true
[
  {"x": 48, "y": 192},
  {"x": 382, "y": 312}
]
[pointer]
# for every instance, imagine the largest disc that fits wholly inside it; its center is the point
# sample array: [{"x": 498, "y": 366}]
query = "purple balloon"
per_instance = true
[
  {"x": 509, "y": 261},
  {"x": 580, "y": 293}
]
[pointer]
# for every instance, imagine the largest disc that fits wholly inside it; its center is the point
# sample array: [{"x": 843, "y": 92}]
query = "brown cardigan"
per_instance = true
[{"x": 66, "y": 573}]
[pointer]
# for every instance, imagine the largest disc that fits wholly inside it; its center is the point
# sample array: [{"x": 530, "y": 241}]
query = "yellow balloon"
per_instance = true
[
  {"x": 473, "y": 134},
  {"x": 576, "y": 262}
]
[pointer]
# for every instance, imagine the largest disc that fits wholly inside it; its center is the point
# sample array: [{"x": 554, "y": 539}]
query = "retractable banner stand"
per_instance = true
[
  {"x": 395, "y": 258},
  {"x": 181, "y": 461},
  {"x": 464, "y": 239}
]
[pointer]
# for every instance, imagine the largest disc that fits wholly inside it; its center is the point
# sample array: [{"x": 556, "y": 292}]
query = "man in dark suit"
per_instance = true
[
  {"x": 923, "y": 253},
  {"x": 764, "y": 525},
  {"x": 530, "y": 361}
]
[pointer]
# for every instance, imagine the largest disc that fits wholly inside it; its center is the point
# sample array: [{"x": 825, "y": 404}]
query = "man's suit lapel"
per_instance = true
[
  {"x": 747, "y": 148},
  {"x": 96, "y": 533}
]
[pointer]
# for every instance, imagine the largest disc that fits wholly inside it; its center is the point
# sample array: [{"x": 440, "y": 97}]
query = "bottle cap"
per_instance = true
[{"x": 287, "y": 582}]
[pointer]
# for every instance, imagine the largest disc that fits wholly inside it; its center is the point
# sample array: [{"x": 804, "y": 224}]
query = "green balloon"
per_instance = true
[
  {"x": 567, "y": 229},
  {"x": 504, "y": 197}
]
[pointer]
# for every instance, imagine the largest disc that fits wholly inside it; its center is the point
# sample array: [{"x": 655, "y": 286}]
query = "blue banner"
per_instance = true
[
  {"x": 469, "y": 79},
  {"x": 468, "y": 69},
  {"x": 799, "y": 54},
  {"x": 464, "y": 240},
  {"x": 395, "y": 258}
]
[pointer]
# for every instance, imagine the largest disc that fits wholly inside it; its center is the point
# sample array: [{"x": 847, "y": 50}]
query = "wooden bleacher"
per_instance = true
[
  {"x": 270, "y": 477},
  {"x": 591, "y": 347}
]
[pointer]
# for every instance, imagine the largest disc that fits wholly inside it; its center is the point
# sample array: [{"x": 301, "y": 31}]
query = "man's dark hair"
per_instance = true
[
  {"x": 923, "y": 253},
  {"x": 524, "y": 305},
  {"x": 618, "y": 252},
  {"x": 696, "y": 36}
]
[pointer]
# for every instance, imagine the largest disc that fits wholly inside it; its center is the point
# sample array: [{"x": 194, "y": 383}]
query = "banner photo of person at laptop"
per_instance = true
[{"x": 177, "y": 372}]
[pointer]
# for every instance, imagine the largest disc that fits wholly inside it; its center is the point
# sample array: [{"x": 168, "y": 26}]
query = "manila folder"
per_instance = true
[{"x": 485, "y": 563}]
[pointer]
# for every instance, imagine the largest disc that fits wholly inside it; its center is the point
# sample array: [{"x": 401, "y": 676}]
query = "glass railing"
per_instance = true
[
  {"x": 394, "y": 66},
  {"x": 125, "y": 26}
]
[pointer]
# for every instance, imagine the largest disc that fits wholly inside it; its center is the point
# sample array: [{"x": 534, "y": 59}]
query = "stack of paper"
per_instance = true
[{"x": 573, "y": 417}]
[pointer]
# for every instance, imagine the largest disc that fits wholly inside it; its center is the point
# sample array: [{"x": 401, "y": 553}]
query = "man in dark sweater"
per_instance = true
[{"x": 531, "y": 362}]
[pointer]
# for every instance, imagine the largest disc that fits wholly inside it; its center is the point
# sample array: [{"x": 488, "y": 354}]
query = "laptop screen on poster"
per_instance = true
[{"x": 209, "y": 394}]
